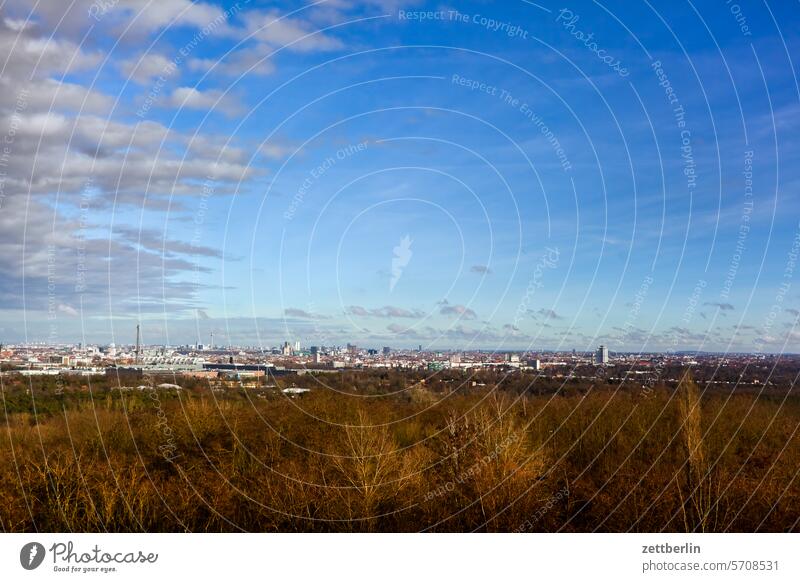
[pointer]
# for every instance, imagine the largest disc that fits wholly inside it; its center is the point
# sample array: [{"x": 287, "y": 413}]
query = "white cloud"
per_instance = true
[
  {"x": 276, "y": 30},
  {"x": 27, "y": 54},
  {"x": 271, "y": 32},
  {"x": 153, "y": 15},
  {"x": 210, "y": 100},
  {"x": 145, "y": 68},
  {"x": 138, "y": 16},
  {"x": 276, "y": 151},
  {"x": 251, "y": 60},
  {"x": 61, "y": 139}
]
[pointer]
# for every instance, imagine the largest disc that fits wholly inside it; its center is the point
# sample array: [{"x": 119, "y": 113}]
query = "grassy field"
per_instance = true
[{"x": 480, "y": 459}]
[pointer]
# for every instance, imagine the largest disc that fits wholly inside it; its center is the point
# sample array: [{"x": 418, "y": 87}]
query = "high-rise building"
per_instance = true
[
  {"x": 387, "y": 350},
  {"x": 297, "y": 346},
  {"x": 601, "y": 357}
]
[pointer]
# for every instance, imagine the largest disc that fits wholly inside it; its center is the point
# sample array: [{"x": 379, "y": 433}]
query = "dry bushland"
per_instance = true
[{"x": 196, "y": 460}]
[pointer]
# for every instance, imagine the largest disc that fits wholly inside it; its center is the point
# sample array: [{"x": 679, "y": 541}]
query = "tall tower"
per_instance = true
[
  {"x": 601, "y": 357},
  {"x": 136, "y": 352}
]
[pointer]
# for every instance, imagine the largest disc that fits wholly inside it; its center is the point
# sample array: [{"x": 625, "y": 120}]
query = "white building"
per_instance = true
[{"x": 601, "y": 357}]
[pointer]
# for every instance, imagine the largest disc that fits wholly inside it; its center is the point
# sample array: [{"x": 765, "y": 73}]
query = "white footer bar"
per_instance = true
[{"x": 388, "y": 557}]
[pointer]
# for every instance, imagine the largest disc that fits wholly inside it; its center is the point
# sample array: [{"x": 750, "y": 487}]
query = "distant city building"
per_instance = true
[
  {"x": 387, "y": 350},
  {"x": 601, "y": 357},
  {"x": 287, "y": 349},
  {"x": 297, "y": 346}
]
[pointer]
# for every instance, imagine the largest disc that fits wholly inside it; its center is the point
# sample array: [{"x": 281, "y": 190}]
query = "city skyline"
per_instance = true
[{"x": 489, "y": 177}]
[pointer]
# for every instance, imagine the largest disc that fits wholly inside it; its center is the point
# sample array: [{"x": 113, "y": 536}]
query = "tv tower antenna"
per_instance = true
[
  {"x": 212, "y": 340},
  {"x": 136, "y": 352}
]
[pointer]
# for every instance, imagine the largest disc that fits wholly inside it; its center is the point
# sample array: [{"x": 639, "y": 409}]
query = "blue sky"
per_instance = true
[{"x": 502, "y": 175}]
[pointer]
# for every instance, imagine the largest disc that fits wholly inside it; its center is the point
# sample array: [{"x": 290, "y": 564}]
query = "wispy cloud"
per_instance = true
[
  {"x": 549, "y": 314},
  {"x": 387, "y": 311},
  {"x": 459, "y": 311},
  {"x": 302, "y": 314}
]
